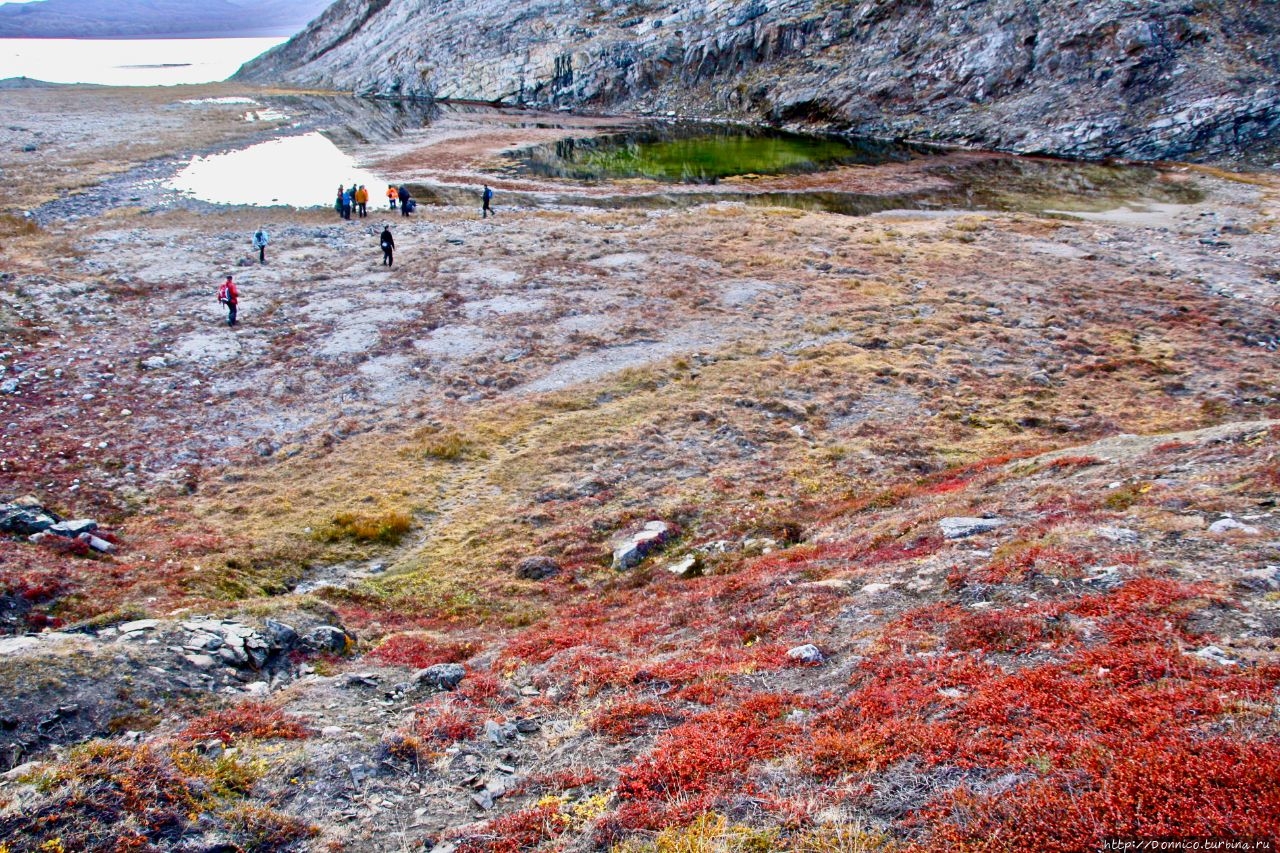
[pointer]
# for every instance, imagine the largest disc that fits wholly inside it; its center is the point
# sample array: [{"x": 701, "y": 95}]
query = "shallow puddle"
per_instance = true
[{"x": 295, "y": 171}]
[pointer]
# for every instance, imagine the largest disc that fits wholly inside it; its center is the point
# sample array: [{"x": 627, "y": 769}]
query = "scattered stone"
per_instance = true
[
  {"x": 231, "y": 642},
  {"x": 1259, "y": 580},
  {"x": 689, "y": 567},
  {"x": 1217, "y": 655},
  {"x": 200, "y": 662},
  {"x": 759, "y": 545},
  {"x": 29, "y": 768},
  {"x": 359, "y": 679},
  {"x": 442, "y": 676},
  {"x": 1104, "y": 577},
  {"x": 1229, "y": 525},
  {"x": 1119, "y": 535},
  {"x": 875, "y": 588},
  {"x": 155, "y": 362},
  {"x": 537, "y": 568},
  {"x": 961, "y": 528},
  {"x": 9, "y": 386},
  {"x": 483, "y": 799},
  {"x": 527, "y": 727},
  {"x": 257, "y": 688},
  {"x": 102, "y": 546},
  {"x": 807, "y": 653},
  {"x": 332, "y": 731},
  {"x": 138, "y": 625},
  {"x": 493, "y": 731},
  {"x": 281, "y": 636},
  {"x": 14, "y": 645},
  {"x": 630, "y": 551},
  {"x": 25, "y": 520},
  {"x": 327, "y": 638},
  {"x": 72, "y": 529}
]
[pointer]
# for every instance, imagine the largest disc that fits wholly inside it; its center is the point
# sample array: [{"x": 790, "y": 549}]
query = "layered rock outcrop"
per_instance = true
[{"x": 1092, "y": 78}]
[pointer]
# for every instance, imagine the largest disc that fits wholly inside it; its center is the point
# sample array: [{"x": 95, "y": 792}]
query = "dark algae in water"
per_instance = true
[{"x": 703, "y": 154}]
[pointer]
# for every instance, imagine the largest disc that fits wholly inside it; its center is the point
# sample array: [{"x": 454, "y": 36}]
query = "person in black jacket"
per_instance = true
[
  {"x": 403, "y": 193},
  {"x": 388, "y": 245}
]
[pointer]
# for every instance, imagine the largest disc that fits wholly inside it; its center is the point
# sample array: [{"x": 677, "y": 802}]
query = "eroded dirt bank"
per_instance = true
[{"x": 801, "y": 397}]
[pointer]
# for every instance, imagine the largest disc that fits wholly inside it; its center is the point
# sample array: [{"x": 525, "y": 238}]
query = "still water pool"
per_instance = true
[
  {"x": 701, "y": 153},
  {"x": 295, "y": 171},
  {"x": 129, "y": 62}
]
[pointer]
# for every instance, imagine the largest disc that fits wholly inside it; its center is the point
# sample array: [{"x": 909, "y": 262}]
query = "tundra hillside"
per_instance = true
[
  {"x": 618, "y": 523},
  {"x": 1082, "y": 78}
]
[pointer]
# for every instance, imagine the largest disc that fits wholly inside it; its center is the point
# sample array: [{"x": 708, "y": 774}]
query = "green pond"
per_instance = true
[{"x": 698, "y": 153}]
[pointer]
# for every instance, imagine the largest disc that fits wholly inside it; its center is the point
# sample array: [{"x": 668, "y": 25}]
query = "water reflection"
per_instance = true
[
  {"x": 295, "y": 171},
  {"x": 702, "y": 153}
]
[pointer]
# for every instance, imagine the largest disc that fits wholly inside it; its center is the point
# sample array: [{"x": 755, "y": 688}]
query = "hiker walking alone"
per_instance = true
[
  {"x": 392, "y": 195},
  {"x": 486, "y": 197},
  {"x": 260, "y": 240},
  {"x": 388, "y": 245},
  {"x": 229, "y": 295},
  {"x": 362, "y": 200}
]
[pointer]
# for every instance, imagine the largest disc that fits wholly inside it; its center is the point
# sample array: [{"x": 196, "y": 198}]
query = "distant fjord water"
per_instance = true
[{"x": 129, "y": 62}]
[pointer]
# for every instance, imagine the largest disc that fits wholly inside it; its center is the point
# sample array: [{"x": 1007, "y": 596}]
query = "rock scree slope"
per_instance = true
[{"x": 1161, "y": 80}]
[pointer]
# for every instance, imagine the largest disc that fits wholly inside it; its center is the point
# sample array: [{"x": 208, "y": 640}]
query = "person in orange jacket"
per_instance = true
[
  {"x": 229, "y": 295},
  {"x": 392, "y": 196},
  {"x": 362, "y": 200}
]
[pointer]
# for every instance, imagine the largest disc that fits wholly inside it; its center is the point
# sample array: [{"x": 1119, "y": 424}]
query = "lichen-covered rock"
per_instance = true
[
  {"x": 1089, "y": 78},
  {"x": 328, "y": 638}
]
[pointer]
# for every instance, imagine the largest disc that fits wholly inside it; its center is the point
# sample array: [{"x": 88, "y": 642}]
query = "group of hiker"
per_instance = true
[
  {"x": 356, "y": 199},
  {"x": 353, "y": 199}
]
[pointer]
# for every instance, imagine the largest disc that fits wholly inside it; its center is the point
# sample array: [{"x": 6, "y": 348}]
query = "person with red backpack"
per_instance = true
[{"x": 229, "y": 295}]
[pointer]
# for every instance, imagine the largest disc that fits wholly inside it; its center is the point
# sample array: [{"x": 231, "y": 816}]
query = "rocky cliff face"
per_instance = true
[{"x": 1092, "y": 78}]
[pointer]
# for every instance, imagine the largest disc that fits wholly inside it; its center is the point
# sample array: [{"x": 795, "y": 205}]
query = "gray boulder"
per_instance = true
[
  {"x": 537, "y": 568},
  {"x": 25, "y": 520},
  {"x": 961, "y": 527},
  {"x": 808, "y": 653},
  {"x": 327, "y": 638},
  {"x": 442, "y": 676},
  {"x": 630, "y": 551},
  {"x": 280, "y": 635},
  {"x": 73, "y": 528}
]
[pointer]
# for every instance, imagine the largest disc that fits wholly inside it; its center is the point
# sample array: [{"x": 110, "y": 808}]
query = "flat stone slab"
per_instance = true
[{"x": 960, "y": 527}]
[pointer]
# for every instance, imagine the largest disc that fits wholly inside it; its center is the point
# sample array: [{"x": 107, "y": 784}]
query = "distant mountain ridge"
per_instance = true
[{"x": 156, "y": 18}]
